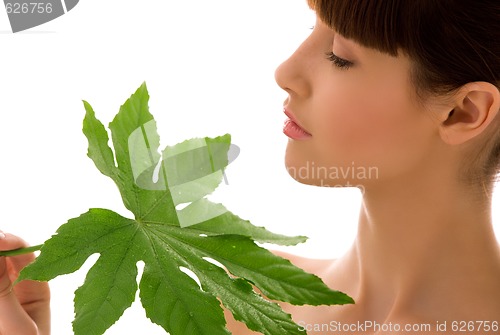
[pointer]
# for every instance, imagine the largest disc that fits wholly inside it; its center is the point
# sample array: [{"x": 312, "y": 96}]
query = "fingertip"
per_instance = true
[{"x": 10, "y": 242}]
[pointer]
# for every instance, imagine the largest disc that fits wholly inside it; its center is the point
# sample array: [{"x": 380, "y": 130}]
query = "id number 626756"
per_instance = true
[{"x": 28, "y": 8}]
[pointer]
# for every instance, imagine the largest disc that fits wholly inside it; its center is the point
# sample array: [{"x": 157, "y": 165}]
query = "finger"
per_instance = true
[
  {"x": 26, "y": 306},
  {"x": 11, "y": 242},
  {"x": 26, "y": 291},
  {"x": 16, "y": 263},
  {"x": 5, "y": 283},
  {"x": 14, "y": 319}
]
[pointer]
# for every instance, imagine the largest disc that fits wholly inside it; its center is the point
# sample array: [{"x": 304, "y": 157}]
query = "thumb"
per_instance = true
[
  {"x": 14, "y": 319},
  {"x": 5, "y": 283}
]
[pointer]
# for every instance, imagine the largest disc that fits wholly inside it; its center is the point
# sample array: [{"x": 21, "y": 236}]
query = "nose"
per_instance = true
[{"x": 293, "y": 74}]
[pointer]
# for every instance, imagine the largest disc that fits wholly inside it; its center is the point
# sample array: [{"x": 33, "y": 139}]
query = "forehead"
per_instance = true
[{"x": 376, "y": 24}]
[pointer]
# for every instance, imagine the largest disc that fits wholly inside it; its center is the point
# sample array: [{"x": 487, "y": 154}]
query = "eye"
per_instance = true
[{"x": 341, "y": 63}]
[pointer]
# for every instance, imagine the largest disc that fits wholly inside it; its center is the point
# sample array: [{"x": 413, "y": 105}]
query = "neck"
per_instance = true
[{"x": 412, "y": 235}]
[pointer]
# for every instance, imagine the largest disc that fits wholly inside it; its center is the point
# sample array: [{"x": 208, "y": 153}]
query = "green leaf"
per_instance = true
[
  {"x": 228, "y": 223},
  {"x": 99, "y": 151},
  {"x": 278, "y": 279},
  {"x": 175, "y": 229}
]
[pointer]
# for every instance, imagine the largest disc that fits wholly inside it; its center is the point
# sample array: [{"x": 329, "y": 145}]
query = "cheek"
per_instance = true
[{"x": 369, "y": 128}]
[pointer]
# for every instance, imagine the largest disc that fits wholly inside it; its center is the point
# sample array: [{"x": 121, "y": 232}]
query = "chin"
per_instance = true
[
  {"x": 305, "y": 173},
  {"x": 308, "y": 172}
]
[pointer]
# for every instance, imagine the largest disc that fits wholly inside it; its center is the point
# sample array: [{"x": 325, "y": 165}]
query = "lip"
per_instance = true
[{"x": 292, "y": 127}]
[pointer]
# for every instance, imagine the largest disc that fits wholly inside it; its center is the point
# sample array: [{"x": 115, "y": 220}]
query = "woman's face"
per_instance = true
[{"x": 361, "y": 119}]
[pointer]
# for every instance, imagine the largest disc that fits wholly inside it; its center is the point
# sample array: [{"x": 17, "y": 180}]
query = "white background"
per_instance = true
[{"x": 209, "y": 67}]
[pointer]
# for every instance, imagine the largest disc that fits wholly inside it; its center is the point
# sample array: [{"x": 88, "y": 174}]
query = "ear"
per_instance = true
[{"x": 475, "y": 107}]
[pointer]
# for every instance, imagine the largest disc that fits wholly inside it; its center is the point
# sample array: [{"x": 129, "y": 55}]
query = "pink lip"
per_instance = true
[{"x": 293, "y": 129}]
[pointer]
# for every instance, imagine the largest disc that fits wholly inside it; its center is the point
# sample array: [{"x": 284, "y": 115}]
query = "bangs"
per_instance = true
[
  {"x": 384, "y": 25},
  {"x": 450, "y": 42}
]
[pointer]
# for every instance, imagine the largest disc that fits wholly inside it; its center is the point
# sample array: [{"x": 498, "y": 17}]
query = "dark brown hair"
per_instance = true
[{"x": 450, "y": 43}]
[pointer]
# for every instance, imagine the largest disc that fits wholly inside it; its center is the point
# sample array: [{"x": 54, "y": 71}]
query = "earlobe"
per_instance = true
[{"x": 476, "y": 106}]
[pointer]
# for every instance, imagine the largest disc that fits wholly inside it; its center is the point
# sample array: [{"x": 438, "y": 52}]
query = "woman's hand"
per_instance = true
[{"x": 24, "y": 308}]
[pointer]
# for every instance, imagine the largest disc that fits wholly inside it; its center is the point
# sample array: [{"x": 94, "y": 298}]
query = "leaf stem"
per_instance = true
[{"x": 21, "y": 251}]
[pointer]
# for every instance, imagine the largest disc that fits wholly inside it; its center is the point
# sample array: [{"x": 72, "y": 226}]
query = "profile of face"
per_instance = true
[{"x": 356, "y": 117}]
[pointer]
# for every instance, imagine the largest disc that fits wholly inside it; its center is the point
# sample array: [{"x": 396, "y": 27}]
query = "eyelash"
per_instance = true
[{"x": 341, "y": 63}]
